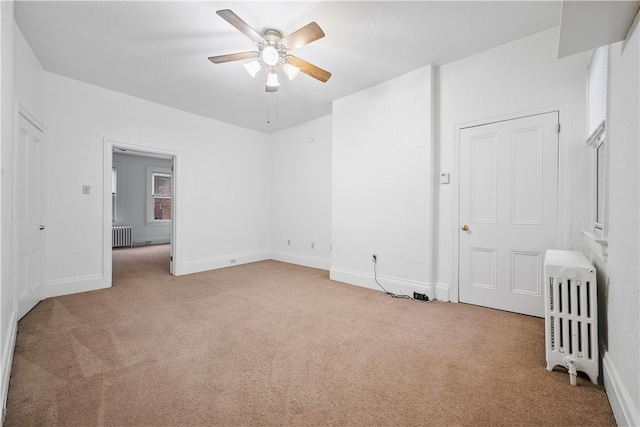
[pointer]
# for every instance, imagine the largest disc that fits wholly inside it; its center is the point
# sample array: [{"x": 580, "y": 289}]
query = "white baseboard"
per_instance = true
[
  {"x": 625, "y": 410},
  {"x": 442, "y": 291},
  {"x": 206, "y": 264},
  {"x": 8, "y": 346},
  {"x": 396, "y": 285},
  {"x": 73, "y": 285},
  {"x": 304, "y": 260},
  {"x": 152, "y": 242}
]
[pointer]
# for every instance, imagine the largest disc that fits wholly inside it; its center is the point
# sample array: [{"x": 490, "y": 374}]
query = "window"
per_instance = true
[
  {"x": 161, "y": 193},
  {"x": 116, "y": 193},
  {"x": 599, "y": 184},
  {"x": 597, "y": 82},
  {"x": 159, "y": 200}
]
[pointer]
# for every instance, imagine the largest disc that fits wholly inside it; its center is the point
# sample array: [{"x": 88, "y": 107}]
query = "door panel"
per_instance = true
[
  {"x": 484, "y": 177},
  {"x": 508, "y": 203},
  {"x": 28, "y": 188}
]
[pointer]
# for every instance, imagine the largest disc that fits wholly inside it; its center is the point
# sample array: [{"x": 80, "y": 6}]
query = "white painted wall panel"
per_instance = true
[
  {"x": 224, "y": 182},
  {"x": 29, "y": 77},
  {"x": 622, "y": 358},
  {"x": 301, "y": 194},
  {"x": 8, "y": 291},
  {"x": 381, "y": 183}
]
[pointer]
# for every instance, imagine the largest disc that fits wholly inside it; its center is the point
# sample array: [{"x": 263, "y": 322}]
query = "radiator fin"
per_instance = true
[
  {"x": 121, "y": 236},
  {"x": 571, "y": 312}
]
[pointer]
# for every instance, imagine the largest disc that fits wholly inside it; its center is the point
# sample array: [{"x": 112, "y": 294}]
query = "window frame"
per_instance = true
[
  {"x": 151, "y": 170},
  {"x": 597, "y": 138},
  {"x": 116, "y": 199}
]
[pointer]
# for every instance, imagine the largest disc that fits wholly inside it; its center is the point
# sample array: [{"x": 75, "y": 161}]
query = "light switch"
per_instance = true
[
  {"x": 86, "y": 189},
  {"x": 444, "y": 178}
]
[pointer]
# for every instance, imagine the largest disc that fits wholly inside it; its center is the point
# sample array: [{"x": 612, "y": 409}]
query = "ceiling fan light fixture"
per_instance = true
[
  {"x": 272, "y": 79},
  {"x": 291, "y": 70},
  {"x": 252, "y": 68},
  {"x": 270, "y": 55}
]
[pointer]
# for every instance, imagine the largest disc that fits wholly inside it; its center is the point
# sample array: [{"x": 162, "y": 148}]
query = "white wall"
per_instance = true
[
  {"x": 381, "y": 184},
  {"x": 621, "y": 363},
  {"x": 8, "y": 295},
  {"x": 222, "y": 182},
  {"x": 301, "y": 194},
  {"x": 133, "y": 194},
  {"x": 518, "y": 77},
  {"x": 29, "y": 77}
]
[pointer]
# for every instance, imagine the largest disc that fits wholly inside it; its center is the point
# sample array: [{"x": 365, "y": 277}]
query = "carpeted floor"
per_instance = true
[{"x": 277, "y": 344}]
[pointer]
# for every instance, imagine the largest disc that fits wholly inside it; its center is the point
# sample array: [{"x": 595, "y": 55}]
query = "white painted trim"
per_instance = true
[
  {"x": 20, "y": 110},
  {"x": 442, "y": 291},
  {"x": 7, "y": 356},
  {"x": 625, "y": 410},
  {"x": 304, "y": 260},
  {"x": 109, "y": 145},
  {"x": 564, "y": 219},
  {"x": 73, "y": 285},
  {"x": 206, "y": 264},
  {"x": 152, "y": 242},
  {"x": 396, "y": 285}
]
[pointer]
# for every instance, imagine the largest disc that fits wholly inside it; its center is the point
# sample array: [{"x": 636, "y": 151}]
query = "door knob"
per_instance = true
[
  {"x": 465, "y": 227},
  {"x": 42, "y": 227}
]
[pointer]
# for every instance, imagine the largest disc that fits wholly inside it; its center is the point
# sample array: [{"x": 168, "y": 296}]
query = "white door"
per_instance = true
[
  {"x": 508, "y": 211},
  {"x": 28, "y": 194}
]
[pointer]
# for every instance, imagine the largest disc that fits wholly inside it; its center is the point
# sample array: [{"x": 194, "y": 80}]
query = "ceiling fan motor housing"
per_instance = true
[{"x": 273, "y": 50}]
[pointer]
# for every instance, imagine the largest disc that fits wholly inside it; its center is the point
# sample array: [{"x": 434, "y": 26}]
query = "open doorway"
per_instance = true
[{"x": 140, "y": 212}]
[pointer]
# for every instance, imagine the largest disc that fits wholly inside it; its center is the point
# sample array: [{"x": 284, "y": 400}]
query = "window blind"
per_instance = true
[{"x": 597, "y": 95}]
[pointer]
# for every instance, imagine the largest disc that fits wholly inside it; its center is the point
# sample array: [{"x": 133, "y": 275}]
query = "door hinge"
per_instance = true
[{"x": 558, "y": 127}]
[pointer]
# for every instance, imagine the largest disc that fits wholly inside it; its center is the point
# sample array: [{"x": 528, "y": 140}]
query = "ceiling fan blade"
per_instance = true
[
  {"x": 243, "y": 27},
  {"x": 233, "y": 57},
  {"x": 309, "y": 69},
  {"x": 305, "y": 35}
]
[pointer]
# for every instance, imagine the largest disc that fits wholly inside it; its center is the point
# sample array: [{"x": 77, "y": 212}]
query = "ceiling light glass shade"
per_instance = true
[
  {"x": 252, "y": 68},
  {"x": 270, "y": 55},
  {"x": 272, "y": 80},
  {"x": 291, "y": 70}
]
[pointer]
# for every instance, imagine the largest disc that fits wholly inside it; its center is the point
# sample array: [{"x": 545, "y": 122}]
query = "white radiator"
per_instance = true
[
  {"x": 121, "y": 236},
  {"x": 571, "y": 314}
]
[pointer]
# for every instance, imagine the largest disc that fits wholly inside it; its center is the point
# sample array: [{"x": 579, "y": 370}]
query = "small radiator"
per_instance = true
[
  {"x": 121, "y": 236},
  {"x": 571, "y": 314}
]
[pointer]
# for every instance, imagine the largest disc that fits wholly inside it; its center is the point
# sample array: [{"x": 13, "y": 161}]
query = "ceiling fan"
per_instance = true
[{"x": 273, "y": 51}]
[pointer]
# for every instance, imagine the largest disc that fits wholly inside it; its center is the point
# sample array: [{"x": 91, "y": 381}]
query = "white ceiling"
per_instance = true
[{"x": 158, "y": 50}]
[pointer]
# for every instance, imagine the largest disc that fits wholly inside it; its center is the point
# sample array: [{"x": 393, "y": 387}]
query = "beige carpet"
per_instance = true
[{"x": 276, "y": 344}]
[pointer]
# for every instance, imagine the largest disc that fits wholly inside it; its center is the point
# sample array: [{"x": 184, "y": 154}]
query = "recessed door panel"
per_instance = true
[
  {"x": 483, "y": 268},
  {"x": 526, "y": 176},
  {"x": 484, "y": 178},
  {"x": 525, "y": 273}
]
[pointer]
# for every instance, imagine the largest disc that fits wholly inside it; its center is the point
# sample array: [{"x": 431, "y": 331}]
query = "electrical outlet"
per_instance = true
[
  {"x": 289, "y": 242},
  {"x": 313, "y": 245},
  {"x": 374, "y": 258}
]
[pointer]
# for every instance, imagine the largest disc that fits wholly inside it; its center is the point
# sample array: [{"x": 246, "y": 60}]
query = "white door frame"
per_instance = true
[
  {"x": 563, "y": 201},
  {"x": 20, "y": 110},
  {"x": 109, "y": 145}
]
